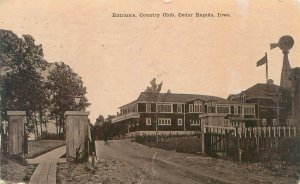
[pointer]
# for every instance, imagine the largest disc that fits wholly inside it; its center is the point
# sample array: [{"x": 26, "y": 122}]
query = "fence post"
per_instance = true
[
  {"x": 239, "y": 150},
  {"x": 203, "y": 142}
]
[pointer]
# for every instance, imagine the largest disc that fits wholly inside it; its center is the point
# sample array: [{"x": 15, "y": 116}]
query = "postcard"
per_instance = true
[{"x": 162, "y": 91}]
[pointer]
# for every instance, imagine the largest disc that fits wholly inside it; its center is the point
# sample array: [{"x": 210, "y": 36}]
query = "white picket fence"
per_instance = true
[{"x": 275, "y": 131}]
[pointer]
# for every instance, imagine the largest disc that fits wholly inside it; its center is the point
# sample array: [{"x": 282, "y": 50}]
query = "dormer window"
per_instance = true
[{"x": 243, "y": 98}]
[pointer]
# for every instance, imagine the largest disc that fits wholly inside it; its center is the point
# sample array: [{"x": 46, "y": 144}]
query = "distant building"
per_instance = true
[
  {"x": 266, "y": 99},
  {"x": 182, "y": 113}
]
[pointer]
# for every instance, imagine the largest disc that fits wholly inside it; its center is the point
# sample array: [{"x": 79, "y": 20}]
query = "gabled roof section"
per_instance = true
[
  {"x": 181, "y": 98},
  {"x": 261, "y": 90}
]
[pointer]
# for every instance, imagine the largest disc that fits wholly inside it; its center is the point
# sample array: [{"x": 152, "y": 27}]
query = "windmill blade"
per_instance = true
[{"x": 273, "y": 45}]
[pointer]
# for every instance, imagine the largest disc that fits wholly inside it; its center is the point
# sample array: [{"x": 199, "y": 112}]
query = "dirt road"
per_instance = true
[{"x": 161, "y": 166}]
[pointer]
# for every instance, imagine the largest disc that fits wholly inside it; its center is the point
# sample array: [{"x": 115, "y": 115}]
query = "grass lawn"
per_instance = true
[
  {"x": 14, "y": 171},
  {"x": 39, "y": 147}
]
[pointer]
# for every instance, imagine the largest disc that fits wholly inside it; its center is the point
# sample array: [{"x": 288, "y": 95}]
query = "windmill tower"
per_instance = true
[{"x": 285, "y": 43}]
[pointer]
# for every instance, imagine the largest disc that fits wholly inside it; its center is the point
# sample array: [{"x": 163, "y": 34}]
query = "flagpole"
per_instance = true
[{"x": 266, "y": 67}]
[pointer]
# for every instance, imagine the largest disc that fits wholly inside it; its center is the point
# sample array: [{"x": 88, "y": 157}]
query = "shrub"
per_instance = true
[
  {"x": 179, "y": 143},
  {"x": 49, "y": 136}
]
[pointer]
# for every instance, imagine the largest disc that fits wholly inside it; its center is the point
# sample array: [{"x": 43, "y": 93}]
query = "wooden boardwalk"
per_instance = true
[{"x": 45, "y": 173}]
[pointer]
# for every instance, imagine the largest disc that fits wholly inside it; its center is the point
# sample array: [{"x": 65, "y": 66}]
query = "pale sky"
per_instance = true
[{"x": 118, "y": 57}]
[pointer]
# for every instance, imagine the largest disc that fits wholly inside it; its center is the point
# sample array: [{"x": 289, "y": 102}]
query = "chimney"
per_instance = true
[{"x": 270, "y": 82}]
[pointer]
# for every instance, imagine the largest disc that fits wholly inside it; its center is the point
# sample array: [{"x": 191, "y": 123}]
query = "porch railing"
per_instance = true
[{"x": 125, "y": 116}]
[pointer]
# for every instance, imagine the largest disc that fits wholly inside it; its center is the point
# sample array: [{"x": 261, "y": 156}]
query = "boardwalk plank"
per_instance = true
[
  {"x": 36, "y": 174},
  {"x": 53, "y": 168},
  {"x": 44, "y": 174},
  {"x": 52, "y": 174},
  {"x": 51, "y": 179}
]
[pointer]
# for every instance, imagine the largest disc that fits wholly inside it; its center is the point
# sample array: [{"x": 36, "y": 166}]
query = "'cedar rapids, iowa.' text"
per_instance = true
[{"x": 158, "y": 15}]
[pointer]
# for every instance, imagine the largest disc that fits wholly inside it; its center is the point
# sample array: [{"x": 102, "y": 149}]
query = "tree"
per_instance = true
[
  {"x": 22, "y": 85},
  {"x": 27, "y": 93},
  {"x": 106, "y": 129},
  {"x": 63, "y": 84},
  {"x": 20, "y": 53},
  {"x": 153, "y": 92},
  {"x": 99, "y": 122}
]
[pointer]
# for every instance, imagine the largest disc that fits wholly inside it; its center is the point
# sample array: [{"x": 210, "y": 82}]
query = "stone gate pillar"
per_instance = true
[
  {"x": 77, "y": 125},
  {"x": 16, "y": 122}
]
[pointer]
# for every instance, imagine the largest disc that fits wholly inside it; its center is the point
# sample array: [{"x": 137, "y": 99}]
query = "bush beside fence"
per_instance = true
[{"x": 179, "y": 143}]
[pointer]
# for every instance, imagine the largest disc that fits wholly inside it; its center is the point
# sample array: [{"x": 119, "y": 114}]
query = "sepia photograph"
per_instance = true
[{"x": 150, "y": 92}]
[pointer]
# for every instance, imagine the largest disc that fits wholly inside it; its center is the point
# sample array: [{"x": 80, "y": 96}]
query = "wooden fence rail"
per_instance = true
[
  {"x": 249, "y": 143},
  {"x": 254, "y": 131}
]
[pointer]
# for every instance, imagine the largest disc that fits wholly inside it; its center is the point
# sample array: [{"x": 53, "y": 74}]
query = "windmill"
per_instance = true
[{"x": 285, "y": 43}]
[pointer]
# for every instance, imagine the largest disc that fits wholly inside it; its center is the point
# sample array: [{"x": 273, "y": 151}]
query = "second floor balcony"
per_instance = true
[{"x": 125, "y": 117}]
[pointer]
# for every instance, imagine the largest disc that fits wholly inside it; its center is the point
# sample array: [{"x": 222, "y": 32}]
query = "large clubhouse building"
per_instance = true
[{"x": 183, "y": 113}]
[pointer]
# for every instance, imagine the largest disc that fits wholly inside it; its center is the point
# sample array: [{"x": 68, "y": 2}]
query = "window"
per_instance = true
[
  {"x": 211, "y": 106},
  {"x": 164, "y": 121},
  {"x": 198, "y": 106},
  {"x": 179, "y": 122},
  {"x": 134, "y": 108},
  {"x": 195, "y": 122},
  {"x": 236, "y": 110},
  {"x": 223, "y": 109},
  {"x": 197, "y": 102},
  {"x": 243, "y": 98},
  {"x": 179, "y": 108},
  {"x": 148, "y": 121},
  {"x": 227, "y": 122},
  {"x": 148, "y": 107},
  {"x": 191, "y": 108},
  {"x": 274, "y": 122},
  {"x": 264, "y": 122},
  {"x": 164, "y": 108},
  {"x": 130, "y": 109},
  {"x": 249, "y": 110}
]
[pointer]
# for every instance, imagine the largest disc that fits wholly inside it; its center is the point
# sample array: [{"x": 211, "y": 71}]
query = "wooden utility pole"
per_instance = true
[{"x": 267, "y": 77}]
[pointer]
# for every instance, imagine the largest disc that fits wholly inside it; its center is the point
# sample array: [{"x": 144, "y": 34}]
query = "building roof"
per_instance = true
[
  {"x": 261, "y": 90},
  {"x": 181, "y": 98},
  {"x": 178, "y": 98}
]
